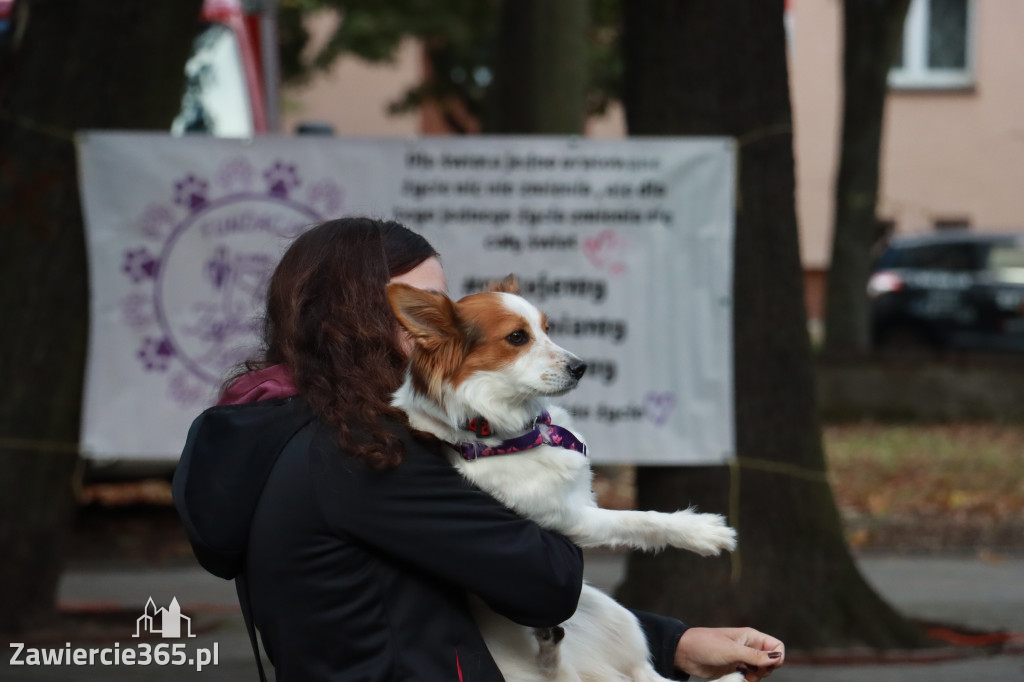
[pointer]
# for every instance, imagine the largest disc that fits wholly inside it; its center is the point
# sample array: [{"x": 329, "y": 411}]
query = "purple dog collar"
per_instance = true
[{"x": 543, "y": 433}]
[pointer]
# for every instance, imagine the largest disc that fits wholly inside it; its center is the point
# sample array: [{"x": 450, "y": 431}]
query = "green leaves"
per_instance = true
[{"x": 459, "y": 39}]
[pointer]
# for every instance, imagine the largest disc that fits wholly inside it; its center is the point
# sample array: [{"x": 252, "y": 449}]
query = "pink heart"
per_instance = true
[
  {"x": 604, "y": 250},
  {"x": 658, "y": 406}
]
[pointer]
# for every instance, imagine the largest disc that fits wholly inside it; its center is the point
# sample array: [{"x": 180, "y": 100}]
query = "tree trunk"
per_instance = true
[
  {"x": 872, "y": 32},
  {"x": 718, "y": 67},
  {"x": 540, "y": 79},
  {"x": 70, "y": 66}
]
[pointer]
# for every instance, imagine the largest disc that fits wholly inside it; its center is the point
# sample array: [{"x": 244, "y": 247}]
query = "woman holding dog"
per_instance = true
[{"x": 354, "y": 542}]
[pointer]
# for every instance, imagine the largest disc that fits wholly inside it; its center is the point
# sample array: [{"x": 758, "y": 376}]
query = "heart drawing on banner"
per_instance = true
[
  {"x": 605, "y": 251},
  {"x": 658, "y": 406}
]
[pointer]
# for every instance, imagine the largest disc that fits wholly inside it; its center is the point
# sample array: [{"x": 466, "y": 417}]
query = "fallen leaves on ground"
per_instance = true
[{"x": 974, "y": 470}]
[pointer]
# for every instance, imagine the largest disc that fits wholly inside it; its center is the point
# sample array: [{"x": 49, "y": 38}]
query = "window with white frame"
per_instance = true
[{"x": 937, "y": 50}]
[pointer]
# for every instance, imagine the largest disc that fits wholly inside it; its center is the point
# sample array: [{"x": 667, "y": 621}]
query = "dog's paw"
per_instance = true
[
  {"x": 706, "y": 534},
  {"x": 554, "y": 635}
]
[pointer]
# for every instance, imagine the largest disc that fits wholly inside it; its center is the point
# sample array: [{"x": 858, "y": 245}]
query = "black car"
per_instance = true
[{"x": 949, "y": 289}]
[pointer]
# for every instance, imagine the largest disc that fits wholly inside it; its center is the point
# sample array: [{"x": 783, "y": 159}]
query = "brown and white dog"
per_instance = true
[{"x": 487, "y": 359}]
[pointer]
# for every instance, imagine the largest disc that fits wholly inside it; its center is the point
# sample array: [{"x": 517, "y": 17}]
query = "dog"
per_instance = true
[{"x": 482, "y": 373}]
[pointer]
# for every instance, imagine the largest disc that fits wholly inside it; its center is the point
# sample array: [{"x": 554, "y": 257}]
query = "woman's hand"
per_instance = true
[{"x": 715, "y": 652}]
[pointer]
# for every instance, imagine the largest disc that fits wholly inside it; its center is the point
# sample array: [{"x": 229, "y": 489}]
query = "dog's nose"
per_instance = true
[{"x": 577, "y": 368}]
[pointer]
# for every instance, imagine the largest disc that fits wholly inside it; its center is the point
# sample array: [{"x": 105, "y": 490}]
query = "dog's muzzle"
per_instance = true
[{"x": 577, "y": 368}]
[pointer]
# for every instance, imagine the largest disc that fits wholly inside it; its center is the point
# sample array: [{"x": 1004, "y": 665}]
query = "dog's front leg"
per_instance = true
[{"x": 705, "y": 534}]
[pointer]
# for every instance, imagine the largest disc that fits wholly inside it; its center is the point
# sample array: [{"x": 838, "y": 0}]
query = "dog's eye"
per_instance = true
[{"x": 518, "y": 337}]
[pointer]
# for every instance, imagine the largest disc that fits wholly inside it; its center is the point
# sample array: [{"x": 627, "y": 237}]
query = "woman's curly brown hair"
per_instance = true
[{"x": 328, "y": 320}]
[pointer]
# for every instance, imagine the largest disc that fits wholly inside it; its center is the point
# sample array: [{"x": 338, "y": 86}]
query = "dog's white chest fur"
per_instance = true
[{"x": 548, "y": 484}]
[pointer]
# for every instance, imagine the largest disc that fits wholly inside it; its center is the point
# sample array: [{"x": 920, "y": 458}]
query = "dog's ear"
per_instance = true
[
  {"x": 509, "y": 285},
  {"x": 428, "y": 317}
]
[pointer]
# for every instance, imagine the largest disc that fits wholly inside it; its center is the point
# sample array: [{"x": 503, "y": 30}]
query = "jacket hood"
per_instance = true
[
  {"x": 264, "y": 384},
  {"x": 224, "y": 466}
]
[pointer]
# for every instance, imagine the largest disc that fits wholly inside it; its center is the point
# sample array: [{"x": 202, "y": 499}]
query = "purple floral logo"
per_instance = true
[
  {"x": 156, "y": 354},
  {"x": 199, "y": 277},
  {"x": 282, "y": 179},
  {"x": 139, "y": 265},
  {"x": 190, "y": 192}
]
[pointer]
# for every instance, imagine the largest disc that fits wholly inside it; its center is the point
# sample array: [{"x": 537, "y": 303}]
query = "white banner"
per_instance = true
[{"x": 625, "y": 244}]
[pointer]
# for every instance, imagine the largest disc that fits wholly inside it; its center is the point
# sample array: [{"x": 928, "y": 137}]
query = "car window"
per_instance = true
[
  {"x": 916, "y": 257},
  {"x": 949, "y": 257},
  {"x": 958, "y": 258},
  {"x": 890, "y": 258},
  {"x": 1006, "y": 261}
]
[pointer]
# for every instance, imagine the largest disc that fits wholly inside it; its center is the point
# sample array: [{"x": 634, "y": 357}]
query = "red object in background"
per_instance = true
[
  {"x": 252, "y": 27},
  {"x": 246, "y": 30}
]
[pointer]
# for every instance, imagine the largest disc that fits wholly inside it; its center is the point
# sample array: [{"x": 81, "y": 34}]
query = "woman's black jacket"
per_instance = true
[{"x": 362, "y": 575}]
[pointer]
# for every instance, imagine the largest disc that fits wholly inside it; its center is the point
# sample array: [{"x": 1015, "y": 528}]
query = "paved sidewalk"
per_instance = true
[
  {"x": 987, "y": 595},
  {"x": 982, "y": 594}
]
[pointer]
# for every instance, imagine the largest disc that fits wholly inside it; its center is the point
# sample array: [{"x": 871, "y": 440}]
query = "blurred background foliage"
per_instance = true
[{"x": 459, "y": 43}]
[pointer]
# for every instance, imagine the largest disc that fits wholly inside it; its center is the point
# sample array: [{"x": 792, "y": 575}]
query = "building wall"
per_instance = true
[
  {"x": 962, "y": 154},
  {"x": 815, "y": 87},
  {"x": 945, "y": 154},
  {"x": 353, "y": 96}
]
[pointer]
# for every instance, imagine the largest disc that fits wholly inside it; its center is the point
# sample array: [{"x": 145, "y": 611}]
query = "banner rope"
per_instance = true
[
  {"x": 736, "y": 464},
  {"x": 782, "y": 468},
  {"x": 33, "y": 445},
  {"x": 45, "y": 129},
  {"x": 735, "y": 559},
  {"x": 51, "y": 446},
  {"x": 755, "y": 136}
]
